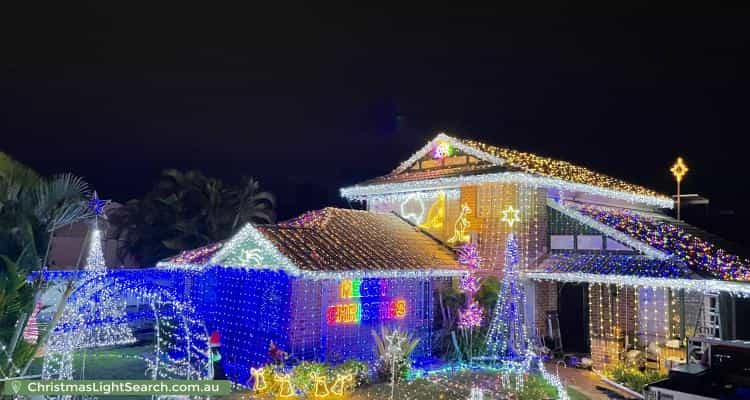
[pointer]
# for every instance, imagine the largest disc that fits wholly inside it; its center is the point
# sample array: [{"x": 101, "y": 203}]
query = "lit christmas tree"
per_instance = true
[
  {"x": 506, "y": 339},
  {"x": 105, "y": 322},
  {"x": 93, "y": 316}
]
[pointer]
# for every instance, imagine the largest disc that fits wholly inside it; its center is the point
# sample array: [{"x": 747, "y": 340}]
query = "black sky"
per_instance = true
[{"x": 309, "y": 100}]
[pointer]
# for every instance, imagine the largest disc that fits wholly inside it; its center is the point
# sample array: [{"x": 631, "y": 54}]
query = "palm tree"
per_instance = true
[
  {"x": 186, "y": 210},
  {"x": 253, "y": 205},
  {"x": 32, "y": 208}
]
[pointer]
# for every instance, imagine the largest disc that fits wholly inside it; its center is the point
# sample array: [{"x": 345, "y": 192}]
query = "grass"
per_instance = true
[
  {"x": 576, "y": 395},
  {"x": 119, "y": 363}
]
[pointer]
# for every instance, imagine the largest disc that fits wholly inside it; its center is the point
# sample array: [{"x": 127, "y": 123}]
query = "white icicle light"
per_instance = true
[
  {"x": 695, "y": 285},
  {"x": 426, "y": 196},
  {"x": 389, "y": 189}
]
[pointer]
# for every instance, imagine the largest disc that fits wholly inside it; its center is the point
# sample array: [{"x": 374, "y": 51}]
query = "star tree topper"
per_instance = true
[
  {"x": 394, "y": 345},
  {"x": 510, "y": 215},
  {"x": 96, "y": 205}
]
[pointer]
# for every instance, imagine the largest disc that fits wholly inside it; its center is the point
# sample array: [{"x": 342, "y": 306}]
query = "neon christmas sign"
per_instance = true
[
  {"x": 356, "y": 313},
  {"x": 372, "y": 304}
]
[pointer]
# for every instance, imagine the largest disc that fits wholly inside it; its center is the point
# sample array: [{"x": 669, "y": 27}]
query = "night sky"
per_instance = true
[{"x": 309, "y": 100}]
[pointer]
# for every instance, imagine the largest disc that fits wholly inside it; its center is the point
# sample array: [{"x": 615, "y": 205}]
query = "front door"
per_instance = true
[{"x": 573, "y": 306}]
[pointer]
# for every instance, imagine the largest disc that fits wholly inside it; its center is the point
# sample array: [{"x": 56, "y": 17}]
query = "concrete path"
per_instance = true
[{"x": 588, "y": 383}]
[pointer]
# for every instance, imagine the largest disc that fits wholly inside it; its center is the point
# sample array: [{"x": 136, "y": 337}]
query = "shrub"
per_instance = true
[
  {"x": 302, "y": 374},
  {"x": 360, "y": 370},
  {"x": 633, "y": 378},
  {"x": 536, "y": 387}
]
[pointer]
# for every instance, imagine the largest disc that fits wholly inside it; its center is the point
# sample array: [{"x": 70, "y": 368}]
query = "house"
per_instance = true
[
  {"x": 607, "y": 270},
  {"x": 316, "y": 286},
  {"x": 68, "y": 247}
]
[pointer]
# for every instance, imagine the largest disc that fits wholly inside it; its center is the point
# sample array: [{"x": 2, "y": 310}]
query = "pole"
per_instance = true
[{"x": 678, "y": 201}]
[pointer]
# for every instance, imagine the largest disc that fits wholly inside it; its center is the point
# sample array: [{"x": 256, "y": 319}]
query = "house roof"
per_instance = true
[
  {"x": 487, "y": 159},
  {"x": 703, "y": 253},
  {"x": 200, "y": 255},
  {"x": 331, "y": 240},
  {"x": 615, "y": 264},
  {"x": 334, "y": 239}
]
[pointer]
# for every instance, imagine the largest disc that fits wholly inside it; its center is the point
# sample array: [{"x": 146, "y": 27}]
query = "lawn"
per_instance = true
[
  {"x": 118, "y": 363},
  {"x": 124, "y": 363}
]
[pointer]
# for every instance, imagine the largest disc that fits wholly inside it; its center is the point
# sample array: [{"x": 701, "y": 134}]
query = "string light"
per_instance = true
[
  {"x": 664, "y": 239},
  {"x": 545, "y": 171},
  {"x": 601, "y": 311},
  {"x": 665, "y": 304},
  {"x": 607, "y": 230},
  {"x": 373, "y": 191},
  {"x": 506, "y": 338},
  {"x": 636, "y": 316}
]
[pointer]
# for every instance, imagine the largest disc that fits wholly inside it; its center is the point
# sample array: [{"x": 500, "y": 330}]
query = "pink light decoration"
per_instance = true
[
  {"x": 31, "y": 331},
  {"x": 471, "y": 316},
  {"x": 197, "y": 256},
  {"x": 469, "y": 284},
  {"x": 306, "y": 220},
  {"x": 468, "y": 256}
]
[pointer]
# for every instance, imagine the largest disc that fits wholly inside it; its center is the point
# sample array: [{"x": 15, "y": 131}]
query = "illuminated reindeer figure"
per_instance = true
[{"x": 462, "y": 224}]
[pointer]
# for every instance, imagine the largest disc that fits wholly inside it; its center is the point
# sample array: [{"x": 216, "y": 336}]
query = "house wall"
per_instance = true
[
  {"x": 625, "y": 317},
  {"x": 344, "y": 338},
  {"x": 486, "y": 201},
  {"x": 305, "y": 325},
  {"x": 545, "y": 293},
  {"x": 332, "y": 322},
  {"x": 249, "y": 308}
]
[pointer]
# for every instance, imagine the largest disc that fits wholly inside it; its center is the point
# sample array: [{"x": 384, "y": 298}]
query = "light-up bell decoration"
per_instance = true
[
  {"x": 436, "y": 214},
  {"x": 259, "y": 379},
  {"x": 510, "y": 215},
  {"x": 460, "y": 227},
  {"x": 342, "y": 382},
  {"x": 321, "y": 385},
  {"x": 285, "y": 385}
]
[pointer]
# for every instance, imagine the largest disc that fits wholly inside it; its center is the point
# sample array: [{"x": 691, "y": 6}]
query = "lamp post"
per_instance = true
[{"x": 679, "y": 169}]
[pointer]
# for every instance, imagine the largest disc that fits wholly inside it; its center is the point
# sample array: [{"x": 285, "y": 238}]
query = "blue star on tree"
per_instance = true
[{"x": 96, "y": 205}]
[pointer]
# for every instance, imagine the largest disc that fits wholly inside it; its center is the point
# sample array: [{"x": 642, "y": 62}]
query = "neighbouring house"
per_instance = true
[
  {"x": 68, "y": 248},
  {"x": 316, "y": 286}
]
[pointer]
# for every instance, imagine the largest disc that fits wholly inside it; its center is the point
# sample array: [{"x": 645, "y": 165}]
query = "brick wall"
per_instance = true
[
  {"x": 605, "y": 352},
  {"x": 546, "y": 300}
]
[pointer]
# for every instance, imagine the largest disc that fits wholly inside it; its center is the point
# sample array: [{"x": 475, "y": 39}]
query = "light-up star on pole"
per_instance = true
[
  {"x": 511, "y": 215},
  {"x": 96, "y": 205},
  {"x": 679, "y": 169}
]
